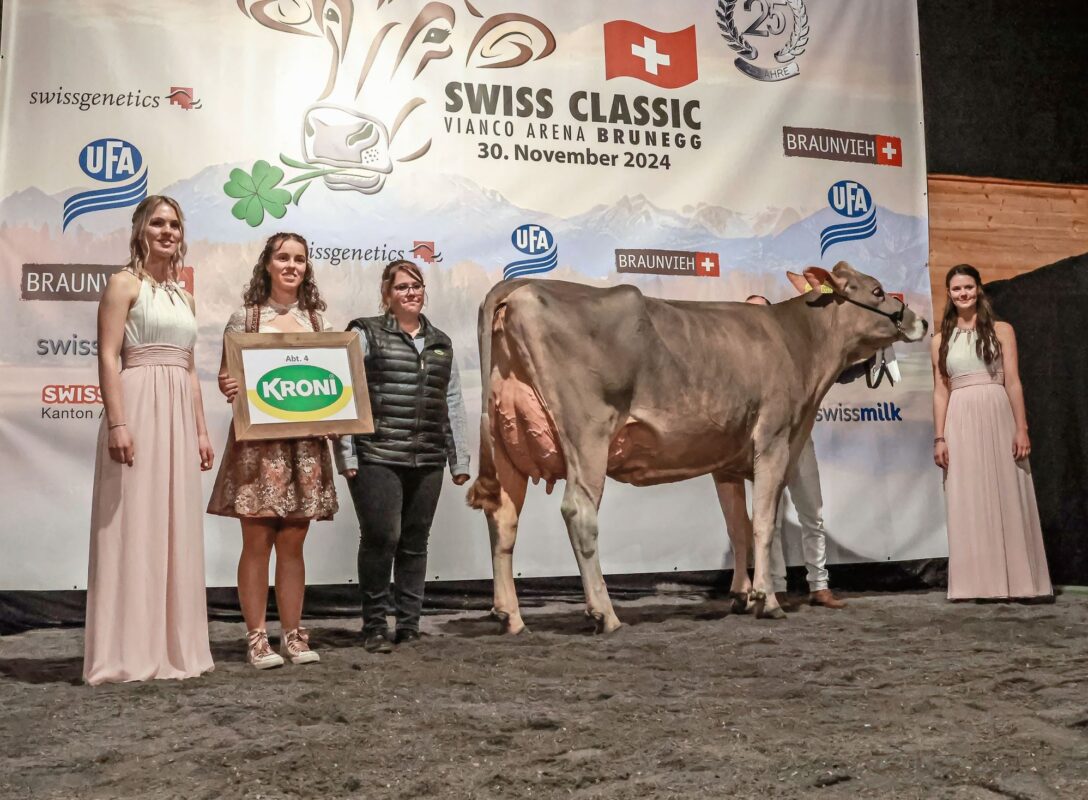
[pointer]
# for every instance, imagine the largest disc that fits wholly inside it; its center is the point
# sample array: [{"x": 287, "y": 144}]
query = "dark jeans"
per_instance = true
[{"x": 395, "y": 506}]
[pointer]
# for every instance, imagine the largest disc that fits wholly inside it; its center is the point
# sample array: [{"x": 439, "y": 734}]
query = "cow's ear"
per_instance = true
[
  {"x": 799, "y": 283},
  {"x": 293, "y": 16},
  {"x": 818, "y": 277},
  {"x": 510, "y": 40}
]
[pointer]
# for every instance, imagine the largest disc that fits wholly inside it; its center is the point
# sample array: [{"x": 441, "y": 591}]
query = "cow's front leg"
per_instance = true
[
  {"x": 739, "y": 528},
  {"x": 770, "y": 477},
  {"x": 580, "y": 505}
]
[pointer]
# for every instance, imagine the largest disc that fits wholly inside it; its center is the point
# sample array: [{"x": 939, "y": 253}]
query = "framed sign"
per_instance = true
[{"x": 294, "y": 385}]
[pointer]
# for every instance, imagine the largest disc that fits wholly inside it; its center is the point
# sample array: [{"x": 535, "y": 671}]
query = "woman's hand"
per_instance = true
[
  {"x": 207, "y": 453},
  {"x": 461, "y": 479},
  {"x": 940, "y": 454},
  {"x": 228, "y": 386},
  {"x": 350, "y": 474},
  {"x": 122, "y": 450},
  {"x": 1021, "y": 446}
]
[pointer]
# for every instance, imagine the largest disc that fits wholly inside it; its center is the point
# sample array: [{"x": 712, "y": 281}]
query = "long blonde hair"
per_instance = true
[{"x": 137, "y": 245}]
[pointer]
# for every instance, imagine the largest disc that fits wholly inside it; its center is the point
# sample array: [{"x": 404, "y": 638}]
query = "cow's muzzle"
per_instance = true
[{"x": 355, "y": 143}]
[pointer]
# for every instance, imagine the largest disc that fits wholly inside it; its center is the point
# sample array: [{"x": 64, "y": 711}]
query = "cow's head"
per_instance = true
[
  {"x": 380, "y": 52},
  {"x": 877, "y": 319}
]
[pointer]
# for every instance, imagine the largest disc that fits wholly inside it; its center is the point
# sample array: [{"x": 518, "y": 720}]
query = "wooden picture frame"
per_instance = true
[{"x": 309, "y": 384}]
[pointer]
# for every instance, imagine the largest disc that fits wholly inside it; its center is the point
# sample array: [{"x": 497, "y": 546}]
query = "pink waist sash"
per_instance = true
[
  {"x": 156, "y": 355},
  {"x": 977, "y": 379}
]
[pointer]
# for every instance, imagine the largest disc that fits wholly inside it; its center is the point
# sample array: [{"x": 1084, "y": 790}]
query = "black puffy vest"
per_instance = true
[{"x": 407, "y": 394}]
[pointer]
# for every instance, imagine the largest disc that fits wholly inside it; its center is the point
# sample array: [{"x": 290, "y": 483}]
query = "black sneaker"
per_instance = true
[
  {"x": 377, "y": 642},
  {"x": 406, "y": 636}
]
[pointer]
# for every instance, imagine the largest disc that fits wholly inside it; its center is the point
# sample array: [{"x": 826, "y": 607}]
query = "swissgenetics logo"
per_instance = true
[
  {"x": 537, "y": 242},
  {"x": 120, "y": 166},
  {"x": 668, "y": 262},
  {"x": 831, "y": 145},
  {"x": 878, "y": 412},
  {"x": 183, "y": 97},
  {"x": 853, "y": 201},
  {"x": 425, "y": 252},
  {"x": 300, "y": 393},
  {"x": 664, "y": 59}
]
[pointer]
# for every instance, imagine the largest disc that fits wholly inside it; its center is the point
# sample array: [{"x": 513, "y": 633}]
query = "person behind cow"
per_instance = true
[
  {"x": 995, "y": 541},
  {"x": 275, "y": 487},
  {"x": 395, "y": 474},
  {"x": 146, "y": 612},
  {"x": 803, "y": 485}
]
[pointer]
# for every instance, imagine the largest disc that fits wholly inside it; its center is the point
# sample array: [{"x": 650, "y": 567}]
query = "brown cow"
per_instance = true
[
  {"x": 363, "y": 121},
  {"x": 582, "y": 383}
]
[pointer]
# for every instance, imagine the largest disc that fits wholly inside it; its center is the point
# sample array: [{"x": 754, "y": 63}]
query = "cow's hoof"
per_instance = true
[
  {"x": 508, "y": 624},
  {"x": 738, "y": 603},
  {"x": 603, "y": 624},
  {"x": 771, "y": 613}
]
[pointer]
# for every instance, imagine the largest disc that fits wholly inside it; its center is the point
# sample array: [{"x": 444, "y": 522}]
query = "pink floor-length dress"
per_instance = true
[
  {"x": 995, "y": 541},
  {"x": 146, "y": 608}
]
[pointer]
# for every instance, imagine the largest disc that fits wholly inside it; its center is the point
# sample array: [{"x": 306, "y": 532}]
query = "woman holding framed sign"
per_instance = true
[
  {"x": 395, "y": 474},
  {"x": 275, "y": 487}
]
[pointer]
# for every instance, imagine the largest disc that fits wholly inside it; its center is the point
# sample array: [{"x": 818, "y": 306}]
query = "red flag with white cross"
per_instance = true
[
  {"x": 706, "y": 265},
  {"x": 889, "y": 151},
  {"x": 663, "y": 59}
]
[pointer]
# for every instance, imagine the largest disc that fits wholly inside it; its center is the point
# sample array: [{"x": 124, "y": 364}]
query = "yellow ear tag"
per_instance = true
[{"x": 824, "y": 289}]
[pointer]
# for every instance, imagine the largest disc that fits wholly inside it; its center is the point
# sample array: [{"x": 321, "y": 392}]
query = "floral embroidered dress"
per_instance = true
[{"x": 282, "y": 478}]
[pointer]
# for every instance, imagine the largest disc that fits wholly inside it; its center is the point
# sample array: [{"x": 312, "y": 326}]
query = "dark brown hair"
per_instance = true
[
  {"x": 390, "y": 272},
  {"x": 986, "y": 345},
  {"x": 260, "y": 284}
]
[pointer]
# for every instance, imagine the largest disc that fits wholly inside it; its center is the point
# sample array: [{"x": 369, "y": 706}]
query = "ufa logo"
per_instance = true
[
  {"x": 851, "y": 200},
  {"x": 111, "y": 161},
  {"x": 537, "y": 242},
  {"x": 300, "y": 393}
]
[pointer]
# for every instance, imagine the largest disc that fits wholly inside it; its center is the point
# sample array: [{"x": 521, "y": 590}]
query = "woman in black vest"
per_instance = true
[{"x": 395, "y": 474}]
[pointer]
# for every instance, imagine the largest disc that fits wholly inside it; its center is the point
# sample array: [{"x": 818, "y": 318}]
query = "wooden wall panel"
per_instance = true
[{"x": 1004, "y": 228}]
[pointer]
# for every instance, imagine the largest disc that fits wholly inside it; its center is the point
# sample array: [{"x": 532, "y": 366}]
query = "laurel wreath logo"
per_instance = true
[{"x": 793, "y": 47}]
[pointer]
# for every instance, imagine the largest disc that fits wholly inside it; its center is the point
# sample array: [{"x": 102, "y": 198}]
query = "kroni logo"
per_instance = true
[{"x": 300, "y": 393}]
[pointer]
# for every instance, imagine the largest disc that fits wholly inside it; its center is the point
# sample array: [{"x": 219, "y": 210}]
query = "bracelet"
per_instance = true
[
  {"x": 118, "y": 425},
  {"x": 938, "y": 439}
]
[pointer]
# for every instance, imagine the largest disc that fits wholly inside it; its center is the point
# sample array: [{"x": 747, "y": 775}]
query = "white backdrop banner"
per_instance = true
[{"x": 696, "y": 149}]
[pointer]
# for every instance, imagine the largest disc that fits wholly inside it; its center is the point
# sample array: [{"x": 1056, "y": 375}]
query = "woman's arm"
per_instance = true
[
  {"x": 228, "y": 385},
  {"x": 1010, "y": 365},
  {"x": 940, "y": 405},
  {"x": 204, "y": 444},
  {"x": 122, "y": 289},
  {"x": 455, "y": 403}
]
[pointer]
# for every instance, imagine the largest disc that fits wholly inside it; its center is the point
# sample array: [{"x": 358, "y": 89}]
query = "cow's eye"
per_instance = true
[
  {"x": 878, "y": 293},
  {"x": 332, "y": 15},
  {"x": 436, "y": 36}
]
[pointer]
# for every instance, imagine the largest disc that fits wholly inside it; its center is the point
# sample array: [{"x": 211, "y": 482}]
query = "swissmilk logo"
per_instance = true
[
  {"x": 877, "y": 412},
  {"x": 853, "y": 201},
  {"x": 537, "y": 242},
  {"x": 300, "y": 393},
  {"x": 114, "y": 162}
]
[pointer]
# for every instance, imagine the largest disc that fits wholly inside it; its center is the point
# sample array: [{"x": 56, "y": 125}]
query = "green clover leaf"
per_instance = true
[{"x": 257, "y": 193}]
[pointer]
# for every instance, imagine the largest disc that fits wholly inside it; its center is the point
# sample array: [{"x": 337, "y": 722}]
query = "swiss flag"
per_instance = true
[
  {"x": 706, "y": 265},
  {"x": 889, "y": 151},
  {"x": 663, "y": 59}
]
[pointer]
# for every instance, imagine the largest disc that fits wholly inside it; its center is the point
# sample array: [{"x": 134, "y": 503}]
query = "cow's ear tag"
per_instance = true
[{"x": 817, "y": 276}]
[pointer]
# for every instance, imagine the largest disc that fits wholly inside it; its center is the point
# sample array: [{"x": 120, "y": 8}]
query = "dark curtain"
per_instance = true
[{"x": 1047, "y": 308}]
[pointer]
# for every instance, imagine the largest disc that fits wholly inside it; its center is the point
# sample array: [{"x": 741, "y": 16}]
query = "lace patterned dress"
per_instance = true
[
  {"x": 995, "y": 541},
  {"x": 277, "y": 478}
]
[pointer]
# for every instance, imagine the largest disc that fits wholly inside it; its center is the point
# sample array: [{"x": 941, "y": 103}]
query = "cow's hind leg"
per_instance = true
[
  {"x": 502, "y": 525},
  {"x": 739, "y": 527}
]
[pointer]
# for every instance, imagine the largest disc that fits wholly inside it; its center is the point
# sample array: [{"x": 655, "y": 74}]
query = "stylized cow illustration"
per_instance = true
[{"x": 381, "y": 52}]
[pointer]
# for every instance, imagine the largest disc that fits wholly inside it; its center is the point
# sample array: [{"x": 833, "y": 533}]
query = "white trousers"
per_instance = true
[{"x": 803, "y": 485}]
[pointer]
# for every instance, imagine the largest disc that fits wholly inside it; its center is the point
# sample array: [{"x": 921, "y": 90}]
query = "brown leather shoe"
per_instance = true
[{"x": 823, "y": 597}]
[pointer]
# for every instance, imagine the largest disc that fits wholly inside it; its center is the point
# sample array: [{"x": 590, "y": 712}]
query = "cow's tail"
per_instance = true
[{"x": 485, "y": 493}]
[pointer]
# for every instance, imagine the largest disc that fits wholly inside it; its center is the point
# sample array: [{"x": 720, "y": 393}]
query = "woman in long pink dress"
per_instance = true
[
  {"x": 146, "y": 608},
  {"x": 995, "y": 541}
]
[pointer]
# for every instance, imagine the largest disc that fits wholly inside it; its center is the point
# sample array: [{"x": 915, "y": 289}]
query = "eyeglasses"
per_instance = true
[{"x": 405, "y": 288}]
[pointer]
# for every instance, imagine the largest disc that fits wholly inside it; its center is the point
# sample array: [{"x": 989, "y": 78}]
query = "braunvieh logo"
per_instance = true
[
  {"x": 767, "y": 20},
  {"x": 300, "y": 393},
  {"x": 860, "y": 148},
  {"x": 78, "y": 281},
  {"x": 851, "y": 200},
  {"x": 668, "y": 262},
  {"x": 663, "y": 59},
  {"x": 110, "y": 161},
  {"x": 537, "y": 242}
]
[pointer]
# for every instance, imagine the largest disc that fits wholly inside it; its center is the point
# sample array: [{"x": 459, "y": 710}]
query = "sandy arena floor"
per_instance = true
[{"x": 898, "y": 696}]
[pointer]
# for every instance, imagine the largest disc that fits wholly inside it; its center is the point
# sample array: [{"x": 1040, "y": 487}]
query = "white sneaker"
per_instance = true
[
  {"x": 260, "y": 653},
  {"x": 296, "y": 646}
]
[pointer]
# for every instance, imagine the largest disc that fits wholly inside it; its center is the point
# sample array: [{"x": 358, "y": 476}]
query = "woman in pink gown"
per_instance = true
[
  {"x": 995, "y": 541},
  {"x": 146, "y": 608}
]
